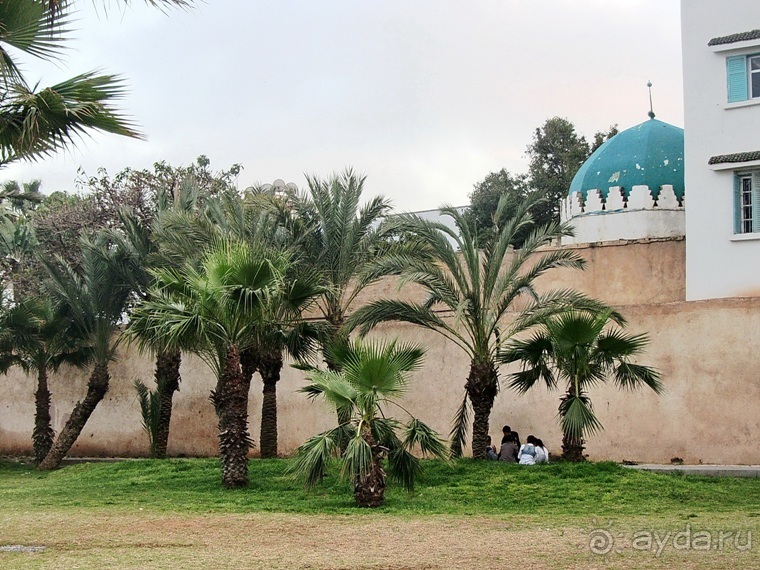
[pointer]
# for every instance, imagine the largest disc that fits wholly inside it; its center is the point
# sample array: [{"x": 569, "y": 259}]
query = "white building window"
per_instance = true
[
  {"x": 747, "y": 202},
  {"x": 743, "y": 77}
]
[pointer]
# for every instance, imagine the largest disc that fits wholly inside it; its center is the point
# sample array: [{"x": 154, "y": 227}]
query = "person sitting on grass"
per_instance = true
[
  {"x": 508, "y": 451},
  {"x": 491, "y": 450},
  {"x": 542, "y": 454},
  {"x": 506, "y": 432},
  {"x": 527, "y": 453}
]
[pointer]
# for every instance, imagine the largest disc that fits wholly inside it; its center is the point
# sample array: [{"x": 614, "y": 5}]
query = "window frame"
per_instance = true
[
  {"x": 746, "y": 202},
  {"x": 739, "y": 74}
]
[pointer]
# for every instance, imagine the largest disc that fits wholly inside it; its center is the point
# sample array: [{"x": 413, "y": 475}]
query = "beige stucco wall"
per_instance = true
[{"x": 704, "y": 350}]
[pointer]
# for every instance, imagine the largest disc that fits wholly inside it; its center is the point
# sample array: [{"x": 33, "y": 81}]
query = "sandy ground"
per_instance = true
[{"x": 364, "y": 541}]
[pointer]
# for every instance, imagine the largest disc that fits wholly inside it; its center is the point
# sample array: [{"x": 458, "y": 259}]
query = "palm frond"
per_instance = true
[
  {"x": 577, "y": 418},
  {"x": 459, "y": 429},
  {"x": 314, "y": 456},
  {"x": 419, "y": 435}
]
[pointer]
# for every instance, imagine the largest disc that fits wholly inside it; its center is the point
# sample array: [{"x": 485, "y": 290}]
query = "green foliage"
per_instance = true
[
  {"x": 484, "y": 201},
  {"x": 478, "y": 285},
  {"x": 150, "y": 407},
  {"x": 372, "y": 376},
  {"x": 37, "y": 122},
  {"x": 573, "y": 348},
  {"x": 556, "y": 154}
]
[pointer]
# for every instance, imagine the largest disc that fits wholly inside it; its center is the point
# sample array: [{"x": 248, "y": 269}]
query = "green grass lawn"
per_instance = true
[
  {"x": 462, "y": 488},
  {"x": 475, "y": 515}
]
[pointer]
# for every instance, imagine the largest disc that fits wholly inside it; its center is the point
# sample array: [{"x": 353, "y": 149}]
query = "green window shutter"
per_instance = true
[
  {"x": 736, "y": 72},
  {"x": 756, "y": 202},
  {"x": 737, "y": 204}
]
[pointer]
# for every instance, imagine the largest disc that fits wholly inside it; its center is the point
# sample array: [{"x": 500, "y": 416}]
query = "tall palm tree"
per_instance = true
[
  {"x": 479, "y": 288},
  {"x": 38, "y": 337},
  {"x": 93, "y": 299},
  {"x": 371, "y": 379},
  {"x": 342, "y": 241},
  {"x": 281, "y": 327},
  {"x": 573, "y": 348},
  {"x": 139, "y": 240},
  {"x": 282, "y": 330},
  {"x": 212, "y": 311}
]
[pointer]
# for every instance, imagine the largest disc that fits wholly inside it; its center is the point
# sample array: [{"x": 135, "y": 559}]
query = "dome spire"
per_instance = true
[{"x": 651, "y": 110}]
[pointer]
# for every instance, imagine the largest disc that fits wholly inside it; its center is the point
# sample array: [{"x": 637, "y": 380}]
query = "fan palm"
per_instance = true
[
  {"x": 281, "y": 327},
  {"x": 37, "y": 337},
  {"x": 94, "y": 299},
  {"x": 212, "y": 310},
  {"x": 574, "y": 349},
  {"x": 480, "y": 287},
  {"x": 371, "y": 379}
]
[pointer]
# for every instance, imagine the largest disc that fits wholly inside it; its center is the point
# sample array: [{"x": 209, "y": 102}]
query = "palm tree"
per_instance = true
[
  {"x": 342, "y": 241},
  {"x": 372, "y": 377},
  {"x": 37, "y": 122},
  {"x": 282, "y": 330},
  {"x": 479, "y": 288},
  {"x": 575, "y": 349},
  {"x": 93, "y": 299},
  {"x": 139, "y": 240},
  {"x": 212, "y": 311},
  {"x": 37, "y": 336}
]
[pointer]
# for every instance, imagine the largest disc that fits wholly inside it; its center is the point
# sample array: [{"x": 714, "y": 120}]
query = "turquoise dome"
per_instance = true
[{"x": 648, "y": 154}]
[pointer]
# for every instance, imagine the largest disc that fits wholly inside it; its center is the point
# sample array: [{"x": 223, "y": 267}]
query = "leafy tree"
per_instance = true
[
  {"x": 93, "y": 298},
  {"x": 372, "y": 377},
  {"x": 478, "y": 287},
  {"x": 211, "y": 310},
  {"x": 38, "y": 337},
  {"x": 556, "y": 154},
  {"x": 574, "y": 349},
  {"x": 485, "y": 197},
  {"x": 601, "y": 137}
]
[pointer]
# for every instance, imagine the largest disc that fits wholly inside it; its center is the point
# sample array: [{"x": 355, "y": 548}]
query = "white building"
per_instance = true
[{"x": 721, "y": 71}]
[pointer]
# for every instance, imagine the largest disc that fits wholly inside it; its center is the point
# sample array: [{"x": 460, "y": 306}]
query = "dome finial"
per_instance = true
[{"x": 651, "y": 110}]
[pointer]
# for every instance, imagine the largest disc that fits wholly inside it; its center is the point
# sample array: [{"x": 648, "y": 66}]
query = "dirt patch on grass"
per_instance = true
[{"x": 363, "y": 541}]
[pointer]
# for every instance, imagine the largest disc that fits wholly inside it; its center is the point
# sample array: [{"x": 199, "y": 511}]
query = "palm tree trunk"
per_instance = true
[
  {"x": 482, "y": 386},
  {"x": 369, "y": 489},
  {"x": 231, "y": 401},
  {"x": 336, "y": 321},
  {"x": 572, "y": 448},
  {"x": 270, "y": 368},
  {"x": 249, "y": 363},
  {"x": 43, "y": 434},
  {"x": 167, "y": 382},
  {"x": 97, "y": 386}
]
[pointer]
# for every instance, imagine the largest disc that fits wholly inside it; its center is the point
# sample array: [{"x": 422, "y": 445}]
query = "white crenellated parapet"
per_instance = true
[
  {"x": 667, "y": 198},
  {"x": 640, "y": 198},
  {"x": 593, "y": 202},
  {"x": 575, "y": 204},
  {"x": 630, "y": 217},
  {"x": 614, "y": 199}
]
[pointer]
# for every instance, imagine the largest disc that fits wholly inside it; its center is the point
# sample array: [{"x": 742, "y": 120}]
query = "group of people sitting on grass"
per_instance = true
[{"x": 511, "y": 451}]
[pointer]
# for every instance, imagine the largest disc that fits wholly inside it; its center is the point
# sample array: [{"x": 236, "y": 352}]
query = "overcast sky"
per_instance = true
[{"x": 425, "y": 97}]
